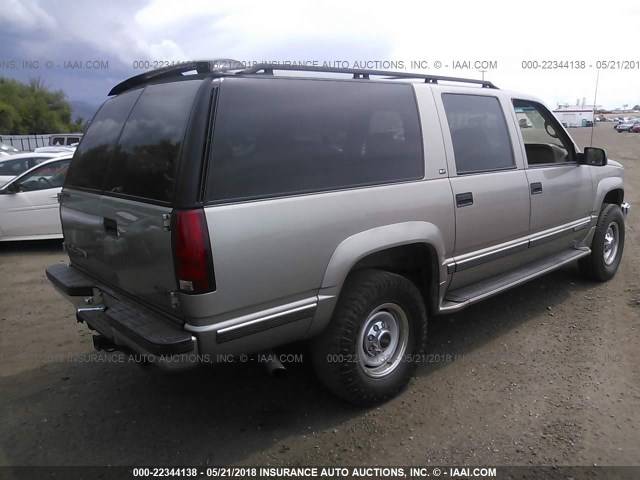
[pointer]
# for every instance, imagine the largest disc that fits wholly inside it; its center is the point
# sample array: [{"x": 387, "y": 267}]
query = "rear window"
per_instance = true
[
  {"x": 140, "y": 156},
  {"x": 90, "y": 161},
  {"x": 284, "y": 136}
]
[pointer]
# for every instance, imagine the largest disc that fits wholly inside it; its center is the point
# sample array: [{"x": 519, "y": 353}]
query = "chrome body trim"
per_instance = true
[
  {"x": 475, "y": 259},
  {"x": 257, "y": 317}
]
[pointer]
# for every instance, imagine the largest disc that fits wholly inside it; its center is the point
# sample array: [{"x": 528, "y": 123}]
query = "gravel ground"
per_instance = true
[{"x": 545, "y": 374}]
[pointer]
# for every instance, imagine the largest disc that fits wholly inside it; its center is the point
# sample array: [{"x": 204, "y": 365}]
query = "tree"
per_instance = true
[
  {"x": 34, "y": 109},
  {"x": 79, "y": 124}
]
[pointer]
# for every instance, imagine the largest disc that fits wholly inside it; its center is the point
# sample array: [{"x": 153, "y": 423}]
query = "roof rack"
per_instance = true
[
  {"x": 200, "y": 66},
  {"x": 269, "y": 68},
  {"x": 225, "y": 65}
]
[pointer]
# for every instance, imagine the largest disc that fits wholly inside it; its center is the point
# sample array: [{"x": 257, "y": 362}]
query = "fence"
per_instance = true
[{"x": 26, "y": 143}]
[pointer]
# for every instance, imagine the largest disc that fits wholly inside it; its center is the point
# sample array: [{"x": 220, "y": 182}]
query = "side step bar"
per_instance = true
[{"x": 465, "y": 296}]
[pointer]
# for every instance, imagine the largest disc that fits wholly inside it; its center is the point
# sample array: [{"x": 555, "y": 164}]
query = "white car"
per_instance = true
[
  {"x": 29, "y": 203},
  {"x": 13, "y": 165}
]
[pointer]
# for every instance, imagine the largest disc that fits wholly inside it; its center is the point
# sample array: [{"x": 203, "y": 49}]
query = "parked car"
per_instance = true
[
  {"x": 626, "y": 126},
  {"x": 61, "y": 139},
  {"x": 14, "y": 165},
  {"x": 6, "y": 149},
  {"x": 29, "y": 203},
  {"x": 343, "y": 211},
  {"x": 636, "y": 128}
]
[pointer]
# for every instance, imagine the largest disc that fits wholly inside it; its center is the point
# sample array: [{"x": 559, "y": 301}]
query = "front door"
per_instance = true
[
  {"x": 33, "y": 209},
  {"x": 560, "y": 189}
]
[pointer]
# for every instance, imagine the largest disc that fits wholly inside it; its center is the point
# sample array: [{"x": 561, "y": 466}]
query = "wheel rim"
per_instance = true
[
  {"x": 611, "y": 240},
  {"x": 382, "y": 340}
]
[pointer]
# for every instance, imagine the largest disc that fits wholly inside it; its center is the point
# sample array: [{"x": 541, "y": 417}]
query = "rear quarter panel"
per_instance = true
[{"x": 277, "y": 252}]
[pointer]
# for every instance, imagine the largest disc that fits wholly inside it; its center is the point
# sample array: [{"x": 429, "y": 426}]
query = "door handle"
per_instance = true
[
  {"x": 110, "y": 226},
  {"x": 464, "y": 199},
  {"x": 536, "y": 188}
]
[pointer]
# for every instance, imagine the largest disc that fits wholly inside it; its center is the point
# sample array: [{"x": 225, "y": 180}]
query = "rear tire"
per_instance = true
[
  {"x": 606, "y": 247},
  {"x": 366, "y": 354}
]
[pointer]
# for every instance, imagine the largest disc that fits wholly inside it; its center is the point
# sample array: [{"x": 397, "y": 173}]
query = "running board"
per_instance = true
[{"x": 465, "y": 296}]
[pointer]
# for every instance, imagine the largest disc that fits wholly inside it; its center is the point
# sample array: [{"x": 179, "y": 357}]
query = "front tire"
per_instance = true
[
  {"x": 606, "y": 247},
  {"x": 367, "y": 353}
]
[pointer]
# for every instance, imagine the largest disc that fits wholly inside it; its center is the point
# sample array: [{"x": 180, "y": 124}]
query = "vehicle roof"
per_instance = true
[
  {"x": 32, "y": 155},
  {"x": 59, "y": 149},
  {"x": 235, "y": 70}
]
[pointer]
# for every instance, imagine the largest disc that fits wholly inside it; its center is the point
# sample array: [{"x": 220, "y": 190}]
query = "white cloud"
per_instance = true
[{"x": 26, "y": 16}]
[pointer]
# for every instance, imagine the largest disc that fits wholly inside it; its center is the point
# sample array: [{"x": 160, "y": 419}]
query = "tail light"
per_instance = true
[{"x": 192, "y": 252}]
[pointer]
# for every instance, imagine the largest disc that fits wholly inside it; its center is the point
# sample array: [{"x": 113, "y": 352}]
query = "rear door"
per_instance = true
[
  {"x": 489, "y": 186},
  {"x": 120, "y": 189}
]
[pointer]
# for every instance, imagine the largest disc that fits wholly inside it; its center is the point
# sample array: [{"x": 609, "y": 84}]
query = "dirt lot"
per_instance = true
[{"x": 547, "y": 373}]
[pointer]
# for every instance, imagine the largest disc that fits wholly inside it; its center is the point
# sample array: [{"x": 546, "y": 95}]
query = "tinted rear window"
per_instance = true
[
  {"x": 279, "y": 137},
  {"x": 139, "y": 158},
  {"x": 145, "y": 162},
  {"x": 89, "y": 163}
]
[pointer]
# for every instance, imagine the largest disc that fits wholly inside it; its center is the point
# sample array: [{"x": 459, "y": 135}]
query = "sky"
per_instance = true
[{"x": 87, "y": 47}]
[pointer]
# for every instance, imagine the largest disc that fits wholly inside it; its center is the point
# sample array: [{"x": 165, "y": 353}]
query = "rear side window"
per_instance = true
[
  {"x": 282, "y": 136},
  {"x": 145, "y": 162},
  {"x": 15, "y": 167},
  {"x": 90, "y": 161},
  {"x": 479, "y": 133}
]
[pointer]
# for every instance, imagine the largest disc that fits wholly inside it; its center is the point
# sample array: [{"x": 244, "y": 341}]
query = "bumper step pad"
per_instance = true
[{"x": 152, "y": 332}]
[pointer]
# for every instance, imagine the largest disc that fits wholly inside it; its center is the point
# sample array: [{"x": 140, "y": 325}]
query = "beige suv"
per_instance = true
[{"x": 213, "y": 211}]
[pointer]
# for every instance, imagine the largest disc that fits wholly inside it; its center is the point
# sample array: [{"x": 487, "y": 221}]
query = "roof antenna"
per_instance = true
[{"x": 595, "y": 98}]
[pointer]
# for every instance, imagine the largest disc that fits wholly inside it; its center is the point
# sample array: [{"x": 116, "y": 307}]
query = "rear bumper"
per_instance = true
[{"x": 128, "y": 327}]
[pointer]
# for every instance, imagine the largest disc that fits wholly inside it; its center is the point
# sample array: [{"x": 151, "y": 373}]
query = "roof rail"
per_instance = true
[
  {"x": 269, "y": 68},
  {"x": 200, "y": 66}
]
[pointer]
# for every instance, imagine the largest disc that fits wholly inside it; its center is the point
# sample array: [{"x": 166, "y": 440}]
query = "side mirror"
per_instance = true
[{"x": 596, "y": 157}]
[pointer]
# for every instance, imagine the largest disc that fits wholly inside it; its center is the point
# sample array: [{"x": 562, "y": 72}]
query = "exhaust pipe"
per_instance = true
[
  {"x": 102, "y": 343},
  {"x": 273, "y": 365}
]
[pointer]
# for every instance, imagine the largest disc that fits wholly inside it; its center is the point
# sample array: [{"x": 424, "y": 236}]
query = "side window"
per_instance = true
[
  {"x": 57, "y": 141},
  {"x": 14, "y": 167},
  {"x": 283, "y": 136},
  {"x": 544, "y": 141},
  {"x": 46, "y": 176},
  {"x": 479, "y": 133}
]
